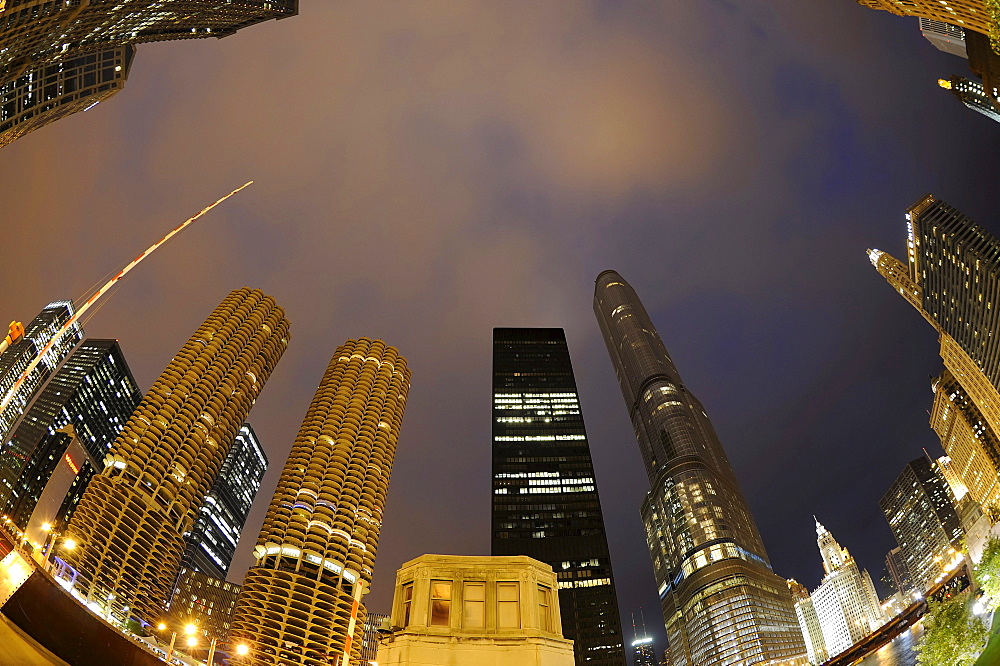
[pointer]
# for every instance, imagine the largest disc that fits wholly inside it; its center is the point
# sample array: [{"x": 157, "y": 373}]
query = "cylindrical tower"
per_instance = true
[
  {"x": 721, "y": 602},
  {"x": 300, "y": 602},
  {"x": 130, "y": 524}
]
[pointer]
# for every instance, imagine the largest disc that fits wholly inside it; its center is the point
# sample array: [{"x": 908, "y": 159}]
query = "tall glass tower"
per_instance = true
[
  {"x": 131, "y": 521},
  {"x": 545, "y": 501},
  {"x": 722, "y": 603},
  {"x": 301, "y": 600},
  {"x": 212, "y": 542}
]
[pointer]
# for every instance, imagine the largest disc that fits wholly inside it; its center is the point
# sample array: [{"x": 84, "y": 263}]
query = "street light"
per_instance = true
[
  {"x": 242, "y": 650},
  {"x": 189, "y": 630}
]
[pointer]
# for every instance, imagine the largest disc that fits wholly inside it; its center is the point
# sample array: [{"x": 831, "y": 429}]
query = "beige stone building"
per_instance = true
[{"x": 452, "y": 610}]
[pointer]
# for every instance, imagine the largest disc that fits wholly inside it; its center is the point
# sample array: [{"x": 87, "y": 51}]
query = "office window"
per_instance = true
[
  {"x": 544, "y": 614},
  {"x": 440, "y": 603},
  {"x": 474, "y": 615},
  {"x": 508, "y": 599}
]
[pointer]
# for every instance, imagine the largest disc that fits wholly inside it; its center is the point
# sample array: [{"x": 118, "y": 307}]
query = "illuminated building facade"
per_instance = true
[
  {"x": 545, "y": 499},
  {"x": 212, "y": 542},
  {"x": 643, "y": 653},
  {"x": 952, "y": 277},
  {"x": 370, "y": 640},
  {"x": 967, "y": 14},
  {"x": 95, "y": 393},
  {"x": 722, "y": 603},
  {"x": 473, "y": 611},
  {"x": 130, "y": 523},
  {"x": 204, "y": 601},
  {"x": 805, "y": 613},
  {"x": 301, "y": 599},
  {"x": 845, "y": 601},
  {"x": 974, "y": 95},
  {"x": 41, "y": 33},
  {"x": 895, "y": 566},
  {"x": 920, "y": 508},
  {"x": 15, "y": 360},
  {"x": 59, "y": 89}
]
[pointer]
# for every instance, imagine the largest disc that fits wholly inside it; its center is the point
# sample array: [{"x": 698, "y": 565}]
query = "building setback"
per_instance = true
[
  {"x": 95, "y": 393},
  {"x": 130, "y": 524},
  {"x": 301, "y": 599},
  {"x": 952, "y": 277},
  {"x": 545, "y": 502},
  {"x": 722, "y": 603},
  {"x": 920, "y": 508},
  {"x": 59, "y": 89},
  {"x": 19, "y": 355},
  {"x": 212, "y": 542}
]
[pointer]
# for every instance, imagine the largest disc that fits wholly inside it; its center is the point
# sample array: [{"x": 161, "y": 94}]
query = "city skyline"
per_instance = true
[{"x": 507, "y": 183}]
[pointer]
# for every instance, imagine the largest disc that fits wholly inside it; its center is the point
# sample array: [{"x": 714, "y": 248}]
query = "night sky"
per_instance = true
[{"x": 426, "y": 171}]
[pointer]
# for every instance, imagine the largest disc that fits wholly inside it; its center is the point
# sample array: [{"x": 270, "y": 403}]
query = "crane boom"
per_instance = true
[{"x": 103, "y": 290}]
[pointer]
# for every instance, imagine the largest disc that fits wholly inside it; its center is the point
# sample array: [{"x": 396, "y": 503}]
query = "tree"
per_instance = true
[
  {"x": 952, "y": 635},
  {"x": 988, "y": 572}
]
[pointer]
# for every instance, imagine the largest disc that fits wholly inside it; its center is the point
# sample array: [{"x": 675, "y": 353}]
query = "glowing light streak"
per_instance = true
[{"x": 103, "y": 290}]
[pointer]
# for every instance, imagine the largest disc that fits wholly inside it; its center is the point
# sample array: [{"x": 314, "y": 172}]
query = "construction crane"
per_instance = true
[
  {"x": 15, "y": 333},
  {"x": 17, "y": 330}
]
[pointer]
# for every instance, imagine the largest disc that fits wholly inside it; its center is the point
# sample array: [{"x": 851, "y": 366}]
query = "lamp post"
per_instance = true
[
  {"x": 50, "y": 543},
  {"x": 189, "y": 630}
]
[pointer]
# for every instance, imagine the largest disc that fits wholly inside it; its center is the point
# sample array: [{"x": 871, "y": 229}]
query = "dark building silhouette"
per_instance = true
[
  {"x": 95, "y": 393},
  {"x": 212, "y": 542},
  {"x": 545, "y": 501},
  {"x": 722, "y": 603}
]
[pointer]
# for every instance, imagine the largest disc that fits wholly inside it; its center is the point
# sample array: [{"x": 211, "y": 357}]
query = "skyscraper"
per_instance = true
[
  {"x": 545, "y": 499},
  {"x": 59, "y": 89},
  {"x": 974, "y": 95},
  {"x": 722, "y": 603},
  {"x": 95, "y": 393},
  {"x": 301, "y": 599},
  {"x": 212, "y": 542},
  {"x": 43, "y": 33},
  {"x": 972, "y": 15},
  {"x": 15, "y": 360},
  {"x": 952, "y": 276},
  {"x": 131, "y": 521},
  {"x": 895, "y": 566},
  {"x": 920, "y": 508},
  {"x": 845, "y": 601},
  {"x": 805, "y": 613},
  {"x": 944, "y": 36}
]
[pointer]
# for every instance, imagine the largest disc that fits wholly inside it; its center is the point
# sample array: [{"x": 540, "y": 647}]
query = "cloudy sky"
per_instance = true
[{"x": 426, "y": 171}]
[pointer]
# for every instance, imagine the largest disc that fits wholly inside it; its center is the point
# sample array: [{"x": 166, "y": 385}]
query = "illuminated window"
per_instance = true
[
  {"x": 440, "y": 603},
  {"x": 474, "y": 605}
]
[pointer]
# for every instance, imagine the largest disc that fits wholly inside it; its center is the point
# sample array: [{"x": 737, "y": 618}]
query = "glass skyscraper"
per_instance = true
[
  {"x": 212, "y": 542},
  {"x": 95, "y": 393},
  {"x": 722, "y": 603},
  {"x": 16, "y": 359},
  {"x": 545, "y": 500}
]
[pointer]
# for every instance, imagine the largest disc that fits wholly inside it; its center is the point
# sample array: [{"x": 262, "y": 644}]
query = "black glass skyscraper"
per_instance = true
[
  {"x": 545, "y": 501},
  {"x": 212, "y": 541},
  {"x": 95, "y": 393},
  {"x": 722, "y": 603}
]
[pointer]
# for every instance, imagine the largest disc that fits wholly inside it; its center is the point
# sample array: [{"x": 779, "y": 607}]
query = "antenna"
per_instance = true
[{"x": 103, "y": 290}]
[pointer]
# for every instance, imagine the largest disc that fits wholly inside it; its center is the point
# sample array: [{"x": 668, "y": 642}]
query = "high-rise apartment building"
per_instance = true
[
  {"x": 722, "y": 603},
  {"x": 545, "y": 502},
  {"x": 59, "y": 89},
  {"x": 952, "y": 277},
  {"x": 95, "y": 393},
  {"x": 130, "y": 524},
  {"x": 15, "y": 360},
  {"x": 212, "y": 542},
  {"x": 42, "y": 33},
  {"x": 805, "y": 613},
  {"x": 920, "y": 508},
  {"x": 971, "y": 15},
  {"x": 846, "y": 603},
  {"x": 301, "y": 599}
]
